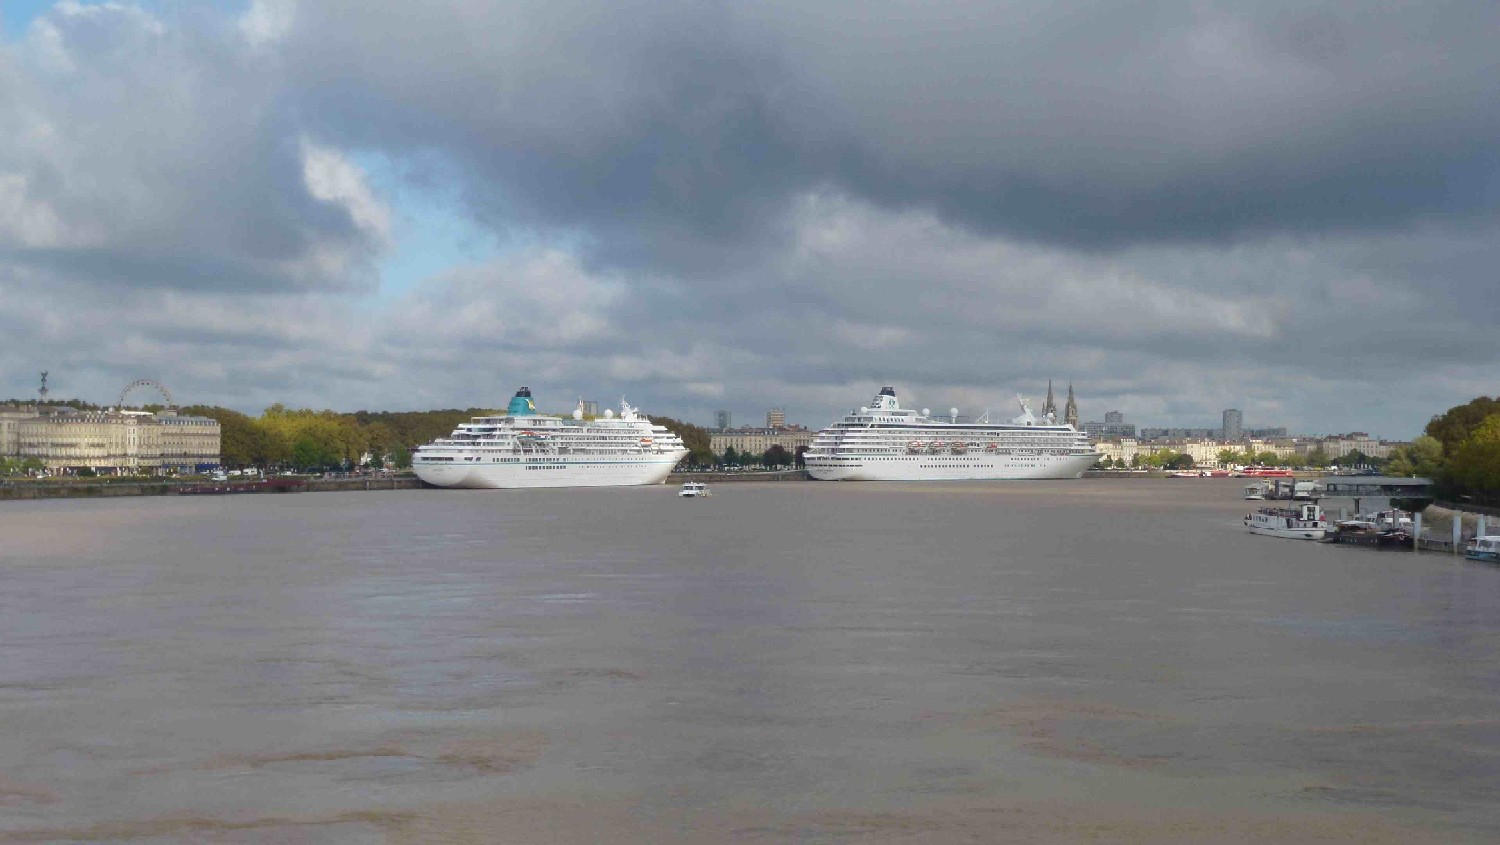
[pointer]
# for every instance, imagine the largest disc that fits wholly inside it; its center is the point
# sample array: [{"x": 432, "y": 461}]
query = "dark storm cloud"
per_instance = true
[{"x": 671, "y": 131}]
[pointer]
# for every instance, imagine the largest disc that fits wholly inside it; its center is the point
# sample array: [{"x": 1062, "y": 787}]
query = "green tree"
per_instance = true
[
  {"x": 1475, "y": 466},
  {"x": 1423, "y": 458},
  {"x": 380, "y": 441},
  {"x": 731, "y": 457},
  {"x": 1317, "y": 456},
  {"x": 401, "y": 457},
  {"x": 338, "y": 437},
  {"x": 695, "y": 438},
  {"x": 310, "y": 454},
  {"x": 1353, "y": 458},
  {"x": 1459, "y": 422},
  {"x": 776, "y": 456},
  {"x": 1181, "y": 460},
  {"x": 242, "y": 440}
]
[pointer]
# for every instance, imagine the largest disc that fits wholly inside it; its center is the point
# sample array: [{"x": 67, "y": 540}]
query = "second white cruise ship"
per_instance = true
[
  {"x": 525, "y": 449},
  {"x": 885, "y": 442}
]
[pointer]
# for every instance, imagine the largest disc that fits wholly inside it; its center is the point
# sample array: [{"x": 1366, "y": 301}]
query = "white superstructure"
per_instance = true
[
  {"x": 885, "y": 442},
  {"x": 1303, "y": 522},
  {"x": 525, "y": 449}
]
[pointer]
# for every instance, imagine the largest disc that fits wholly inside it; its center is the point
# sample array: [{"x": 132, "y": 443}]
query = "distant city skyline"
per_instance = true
[{"x": 718, "y": 415}]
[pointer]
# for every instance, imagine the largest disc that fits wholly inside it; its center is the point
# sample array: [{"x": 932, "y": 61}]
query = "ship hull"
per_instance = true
[
  {"x": 553, "y": 472},
  {"x": 1287, "y": 533},
  {"x": 973, "y": 467}
]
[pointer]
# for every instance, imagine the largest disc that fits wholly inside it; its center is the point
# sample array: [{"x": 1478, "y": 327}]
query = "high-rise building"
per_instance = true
[
  {"x": 590, "y": 408},
  {"x": 1234, "y": 425},
  {"x": 776, "y": 418},
  {"x": 721, "y": 420},
  {"x": 1113, "y": 427}
]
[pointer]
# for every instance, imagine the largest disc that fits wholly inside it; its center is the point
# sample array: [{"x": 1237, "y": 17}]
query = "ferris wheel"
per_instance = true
[{"x": 145, "y": 382}]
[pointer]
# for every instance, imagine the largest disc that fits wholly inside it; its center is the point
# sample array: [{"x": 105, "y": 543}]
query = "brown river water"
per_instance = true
[{"x": 1085, "y": 661}]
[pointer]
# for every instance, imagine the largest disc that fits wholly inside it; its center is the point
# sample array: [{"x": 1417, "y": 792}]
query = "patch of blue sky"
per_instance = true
[
  {"x": 16, "y": 16},
  {"x": 431, "y": 230}
]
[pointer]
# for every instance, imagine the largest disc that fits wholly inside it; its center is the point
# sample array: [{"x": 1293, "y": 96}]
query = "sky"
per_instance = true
[{"x": 1289, "y": 208}]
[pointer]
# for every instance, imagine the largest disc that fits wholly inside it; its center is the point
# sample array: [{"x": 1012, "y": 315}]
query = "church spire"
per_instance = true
[
  {"x": 1070, "y": 411},
  {"x": 1049, "y": 408}
]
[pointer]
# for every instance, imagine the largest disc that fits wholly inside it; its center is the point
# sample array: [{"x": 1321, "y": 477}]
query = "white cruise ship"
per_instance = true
[
  {"x": 525, "y": 449},
  {"x": 886, "y": 442}
]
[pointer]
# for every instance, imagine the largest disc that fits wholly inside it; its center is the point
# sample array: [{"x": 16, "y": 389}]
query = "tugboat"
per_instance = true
[{"x": 1304, "y": 522}]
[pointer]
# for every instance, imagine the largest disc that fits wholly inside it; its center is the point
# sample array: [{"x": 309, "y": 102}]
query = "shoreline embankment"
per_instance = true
[
  {"x": 118, "y": 489},
  {"x": 23, "y": 490}
]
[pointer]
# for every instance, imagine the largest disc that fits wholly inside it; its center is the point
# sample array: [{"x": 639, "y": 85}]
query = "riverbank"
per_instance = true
[
  {"x": 73, "y": 489},
  {"x": 732, "y": 477},
  {"x": 115, "y": 489}
]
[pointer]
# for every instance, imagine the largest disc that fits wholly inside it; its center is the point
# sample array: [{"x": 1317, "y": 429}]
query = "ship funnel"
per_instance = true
[{"x": 521, "y": 405}]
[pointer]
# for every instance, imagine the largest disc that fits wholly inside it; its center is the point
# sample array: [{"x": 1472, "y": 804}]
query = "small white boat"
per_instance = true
[
  {"x": 1485, "y": 548},
  {"x": 1304, "y": 522},
  {"x": 694, "y": 490}
]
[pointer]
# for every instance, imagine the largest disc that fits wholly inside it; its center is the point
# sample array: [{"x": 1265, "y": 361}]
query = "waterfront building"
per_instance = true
[
  {"x": 1279, "y": 448},
  {"x": 755, "y": 441},
  {"x": 1339, "y": 445},
  {"x": 1204, "y": 452},
  {"x": 11, "y": 417},
  {"x": 65, "y": 439},
  {"x": 1234, "y": 425},
  {"x": 1124, "y": 449}
]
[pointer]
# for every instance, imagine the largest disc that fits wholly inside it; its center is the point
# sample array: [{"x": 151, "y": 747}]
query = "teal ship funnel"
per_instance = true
[{"x": 521, "y": 405}]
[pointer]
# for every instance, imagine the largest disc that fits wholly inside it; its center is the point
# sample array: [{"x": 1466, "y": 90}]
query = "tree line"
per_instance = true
[
  {"x": 1172, "y": 459},
  {"x": 775, "y": 456},
  {"x": 1460, "y": 451}
]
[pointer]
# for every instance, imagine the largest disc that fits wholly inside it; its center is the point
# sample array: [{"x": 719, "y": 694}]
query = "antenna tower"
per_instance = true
[{"x": 43, "y": 391}]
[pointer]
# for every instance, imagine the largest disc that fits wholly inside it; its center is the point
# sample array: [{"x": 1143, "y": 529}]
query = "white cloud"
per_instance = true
[
  {"x": 267, "y": 21},
  {"x": 536, "y": 299},
  {"x": 333, "y": 178}
]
